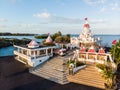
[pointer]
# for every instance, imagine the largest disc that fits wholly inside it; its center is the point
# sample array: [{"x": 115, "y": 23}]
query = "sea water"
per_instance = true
[{"x": 7, "y": 51}]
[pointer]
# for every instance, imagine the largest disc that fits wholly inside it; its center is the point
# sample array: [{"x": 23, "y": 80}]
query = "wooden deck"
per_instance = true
[{"x": 88, "y": 76}]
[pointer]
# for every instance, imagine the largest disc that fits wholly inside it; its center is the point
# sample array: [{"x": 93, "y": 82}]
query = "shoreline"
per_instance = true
[{"x": 15, "y": 76}]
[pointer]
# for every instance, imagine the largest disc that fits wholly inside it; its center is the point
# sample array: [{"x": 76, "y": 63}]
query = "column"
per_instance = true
[
  {"x": 87, "y": 56},
  {"x": 38, "y": 52},
  {"x": 52, "y": 51},
  {"x": 22, "y": 51},
  {"x": 34, "y": 55},
  {"x": 19, "y": 50},
  {"x": 46, "y": 52},
  {"x": 27, "y": 52}
]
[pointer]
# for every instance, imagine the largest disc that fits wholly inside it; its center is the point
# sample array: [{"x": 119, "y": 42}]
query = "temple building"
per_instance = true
[
  {"x": 86, "y": 37},
  {"x": 34, "y": 54}
]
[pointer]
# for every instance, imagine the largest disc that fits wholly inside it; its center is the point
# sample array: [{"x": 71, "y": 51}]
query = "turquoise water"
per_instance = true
[{"x": 7, "y": 51}]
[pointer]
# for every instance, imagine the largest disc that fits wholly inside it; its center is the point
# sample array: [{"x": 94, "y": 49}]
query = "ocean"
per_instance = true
[{"x": 8, "y": 51}]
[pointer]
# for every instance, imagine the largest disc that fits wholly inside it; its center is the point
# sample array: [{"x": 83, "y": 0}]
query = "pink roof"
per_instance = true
[
  {"x": 91, "y": 49},
  {"x": 49, "y": 39},
  {"x": 33, "y": 43},
  {"x": 82, "y": 49},
  {"x": 101, "y": 50}
]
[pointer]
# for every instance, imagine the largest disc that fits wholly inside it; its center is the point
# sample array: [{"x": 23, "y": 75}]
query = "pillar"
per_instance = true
[
  {"x": 46, "y": 52},
  {"x": 27, "y": 52},
  {"x": 87, "y": 56},
  {"x": 51, "y": 51},
  {"x": 19, "y": 50},
  {"x": 34, "y": 55},
  {"x": 22, "y": 51},
  {"x": 38, "y": 52}
]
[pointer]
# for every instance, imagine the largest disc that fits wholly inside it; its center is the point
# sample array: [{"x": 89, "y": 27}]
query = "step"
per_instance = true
[{"x": 54, "y": 77}]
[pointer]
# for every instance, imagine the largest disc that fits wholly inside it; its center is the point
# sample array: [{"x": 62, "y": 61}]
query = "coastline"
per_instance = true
[{"x": 15, "y": 76}]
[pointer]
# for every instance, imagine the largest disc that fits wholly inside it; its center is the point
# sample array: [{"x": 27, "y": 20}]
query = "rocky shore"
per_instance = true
[{"x": 15, "y": 76}]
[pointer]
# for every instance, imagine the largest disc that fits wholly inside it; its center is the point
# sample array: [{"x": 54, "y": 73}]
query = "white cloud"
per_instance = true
[
  {"x": 56, "y": 19},
  {"x": 3, "y": 26},
  {"x": 42, "y": 15},
  {"x": 103, "y": 9},
  {"x": 98, "y": 20},
  {"x": 3, "y": 19},
  {"x": 49, "y": 18},
  {"x": 91, "y": 2},
  {"x": 115, "y": 6}
]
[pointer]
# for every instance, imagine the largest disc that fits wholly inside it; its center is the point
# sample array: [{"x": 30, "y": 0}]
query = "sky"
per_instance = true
[{"x": 67, "y": 16}]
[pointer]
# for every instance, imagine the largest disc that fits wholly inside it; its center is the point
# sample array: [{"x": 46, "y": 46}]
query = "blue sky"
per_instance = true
[{"x": 67, "y": 16}]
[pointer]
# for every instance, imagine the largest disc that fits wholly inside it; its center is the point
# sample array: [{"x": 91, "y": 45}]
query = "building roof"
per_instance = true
[
  {"x": 83, "y": 49},
  {"x": 33, "y": 44},
  {"x": 101, "y": 50},
  {"x": 92, "y": 49},
  {"x": 49, "y": 39}
]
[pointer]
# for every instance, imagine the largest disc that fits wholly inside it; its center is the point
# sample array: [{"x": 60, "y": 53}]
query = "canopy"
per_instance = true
[
  {"x": 33, "y": 44},
  {"x": 101, "y": 50},
  {"x": 92, "y": 49}
]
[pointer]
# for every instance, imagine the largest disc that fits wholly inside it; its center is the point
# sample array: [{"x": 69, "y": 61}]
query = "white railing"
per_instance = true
[{"x": 22, "y": 55}]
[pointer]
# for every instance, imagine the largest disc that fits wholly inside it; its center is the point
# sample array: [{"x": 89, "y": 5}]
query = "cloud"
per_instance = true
[
  {"x": 42, "y": 15},
  {"x": 56, "y": 19},
  {"x": 49, "y": 18},
  {"x": 115, "y": 6},
  {"x": 98, "y": 21},
  {"x": 93, "y": 2},
  {"x": 3, "y": 19},
  {"x": 103, "y": 9},
  {"x": 3, "y": 26}
]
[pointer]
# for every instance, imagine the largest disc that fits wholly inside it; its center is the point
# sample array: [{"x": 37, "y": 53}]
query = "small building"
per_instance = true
[{"x": 33, "y": 54}]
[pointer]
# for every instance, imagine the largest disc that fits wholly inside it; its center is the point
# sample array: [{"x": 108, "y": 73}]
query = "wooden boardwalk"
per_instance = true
[{"x": 88, "y": 76}]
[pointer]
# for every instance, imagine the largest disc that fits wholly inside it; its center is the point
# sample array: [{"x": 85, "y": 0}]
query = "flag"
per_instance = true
[{"x": 114, "y": 41}]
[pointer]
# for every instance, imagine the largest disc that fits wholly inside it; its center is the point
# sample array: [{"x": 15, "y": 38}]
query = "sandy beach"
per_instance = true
[{"x": 15, "y": 76}]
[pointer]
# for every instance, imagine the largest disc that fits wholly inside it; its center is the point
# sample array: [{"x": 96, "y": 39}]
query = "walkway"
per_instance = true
[
  {"x": 88, "y": 76},
  {"x": 54, "y": 70}
]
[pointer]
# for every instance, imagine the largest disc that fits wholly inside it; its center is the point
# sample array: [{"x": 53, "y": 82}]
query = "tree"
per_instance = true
[
  {"x": 59, "y": 39},
  {"x": 55, "y": 35},
  {"x": 115, "y": 51}
]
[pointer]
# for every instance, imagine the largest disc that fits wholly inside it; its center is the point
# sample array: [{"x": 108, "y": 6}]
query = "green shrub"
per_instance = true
[
  {"x": 78, "y": 63},
  {"x": 101, "y": 66}
]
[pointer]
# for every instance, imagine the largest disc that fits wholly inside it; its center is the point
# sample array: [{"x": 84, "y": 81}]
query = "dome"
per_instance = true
[
  {"x": 87, "y": 25},
  {"x": 49, "y": 39},
  {"x": 33, "y": 44}
]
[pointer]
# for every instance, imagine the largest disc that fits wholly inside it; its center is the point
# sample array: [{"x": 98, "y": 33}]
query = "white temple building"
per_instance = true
[
  {"x": 86, "y": 37},
  {"x": 34, "y": 54}
]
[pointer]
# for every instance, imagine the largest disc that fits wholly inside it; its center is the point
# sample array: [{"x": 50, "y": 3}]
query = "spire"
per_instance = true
[
  {"x": 49, "y": 39},
  {"x": 86, "y": 23}
]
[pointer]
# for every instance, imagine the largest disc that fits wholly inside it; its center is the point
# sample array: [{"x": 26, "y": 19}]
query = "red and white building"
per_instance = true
[{"x": 85, "y": 37}]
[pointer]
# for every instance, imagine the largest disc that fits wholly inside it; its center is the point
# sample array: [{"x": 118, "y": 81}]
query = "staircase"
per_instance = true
[
  {"x": 54, "y": 70},
  {"x": 88, "y": 76}
]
